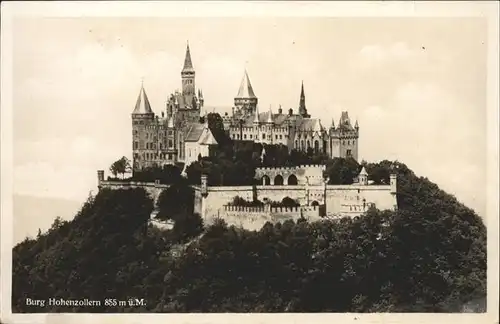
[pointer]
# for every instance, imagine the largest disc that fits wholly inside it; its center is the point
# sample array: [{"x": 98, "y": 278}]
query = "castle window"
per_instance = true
[
  {"x": 136, "y": 145},
  {"x": 170, "y": 143},
  {"x": 263, "y": 136},
  {"x": 170, "y": 156},
  {"x": 281, "y": 136},
  {"x": 296, "y": 143},
  {"x": 245, "y": 136},
  {"x": 251, "y": 136},
  {"x": 276, "y": 136},
  {"x": 348, "y": 142},
  {"x": 349, "y": 153}
]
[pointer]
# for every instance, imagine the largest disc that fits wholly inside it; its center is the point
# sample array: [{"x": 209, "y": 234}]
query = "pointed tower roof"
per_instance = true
[
  {"x": 142, "y": 106},
  {"x": 246, "y": 90},
  {"x": 188, "y": 64},
  {"x": 333, "y": 124},
  {"x": 363, "y": 171},
  {"x": 256, "y": 117},
  {"x": 270, "y": 116},
  {"x": 356, "y": 125},
  {"x": 302, "y": 102}
]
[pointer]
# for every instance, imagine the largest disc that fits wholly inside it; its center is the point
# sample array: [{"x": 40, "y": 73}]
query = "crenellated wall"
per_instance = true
[
  {"x": 254, "y": 218},
  {"x": 341, "y": 200}
]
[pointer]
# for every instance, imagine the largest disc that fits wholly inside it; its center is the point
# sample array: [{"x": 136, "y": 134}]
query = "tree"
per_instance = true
[
  {"x": 120, "y": 166},
  {"x": 176, "y": 201}
]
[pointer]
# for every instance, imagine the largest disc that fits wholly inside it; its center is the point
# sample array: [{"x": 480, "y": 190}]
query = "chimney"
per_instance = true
[
  {"x": 280, "y": 111},
  {"x": 290, "y": 112}
]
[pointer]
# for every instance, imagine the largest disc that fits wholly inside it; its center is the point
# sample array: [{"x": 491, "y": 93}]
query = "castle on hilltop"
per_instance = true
[{"x": 178, "y": 135}]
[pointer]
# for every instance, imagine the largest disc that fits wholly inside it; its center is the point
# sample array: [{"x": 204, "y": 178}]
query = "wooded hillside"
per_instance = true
[{"x": 430, "y": 255}]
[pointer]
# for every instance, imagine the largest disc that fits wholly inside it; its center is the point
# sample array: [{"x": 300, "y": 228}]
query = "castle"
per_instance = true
[
  {"x": 295, "y": 130},
  {"x": 179, "y": 136},
  {"x": 176, "y": 136}
]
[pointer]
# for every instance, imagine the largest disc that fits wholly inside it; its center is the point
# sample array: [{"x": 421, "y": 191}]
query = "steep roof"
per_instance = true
[
  {"x": 188, "y": 64},
  {"x": 194, "y": 132},
  {"x": 201, "y": 134},
  {"x": 363, "y": 171},
  {"x": 207, "y": 138},
  {"x": 245, "y": 90},
  {"x": 142, "y": 106}
]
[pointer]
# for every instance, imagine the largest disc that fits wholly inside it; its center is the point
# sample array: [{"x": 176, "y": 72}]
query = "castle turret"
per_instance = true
[
  {"x": 100, "y": 177},
  {"x": 246, "y": 100},
  {"x": 142, "y": 117},
  {"x": 188, "y": 77},
  {"x": 302, "y": 103},
  {"x": 256, "y": 120},
  {"x": 393, "y": 181},
  {"x": 270, "y": 116},
  {"x": 363, "y": 177}
]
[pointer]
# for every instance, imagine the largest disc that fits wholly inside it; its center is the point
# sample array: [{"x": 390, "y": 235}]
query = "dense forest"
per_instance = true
[{"x": 428, "y": 256}]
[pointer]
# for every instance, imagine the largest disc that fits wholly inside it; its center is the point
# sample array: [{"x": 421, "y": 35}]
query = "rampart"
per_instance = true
[
  {"x": 337, "y": 200},
  {"x": 254, "y": 218}
]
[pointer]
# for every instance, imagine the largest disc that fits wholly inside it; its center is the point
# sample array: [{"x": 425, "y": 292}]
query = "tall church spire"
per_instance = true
[
  {"x": 302, "y": 103},
  {"x": 188, "y": 79},
  {"x": 188, "y": 64}
]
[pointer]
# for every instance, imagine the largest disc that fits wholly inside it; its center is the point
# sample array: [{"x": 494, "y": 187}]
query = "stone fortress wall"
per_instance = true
[{"x": 312, "y": 194}]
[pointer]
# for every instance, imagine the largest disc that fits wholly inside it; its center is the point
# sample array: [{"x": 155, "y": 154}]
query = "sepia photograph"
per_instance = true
[{"x": 213, "y": 161}]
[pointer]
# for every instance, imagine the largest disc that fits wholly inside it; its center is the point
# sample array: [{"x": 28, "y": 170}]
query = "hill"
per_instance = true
[{"x": 429, "y": 256}]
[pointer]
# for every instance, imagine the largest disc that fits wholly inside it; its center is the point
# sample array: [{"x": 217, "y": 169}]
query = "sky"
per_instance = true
[{"x": 417, "y": 87}]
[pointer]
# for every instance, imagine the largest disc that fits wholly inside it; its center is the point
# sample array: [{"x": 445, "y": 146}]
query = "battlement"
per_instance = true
[
  {"x": 357, "y": 209},
  {"x": 292, "y": 169},
  {"x": 271, "y": 210}
]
